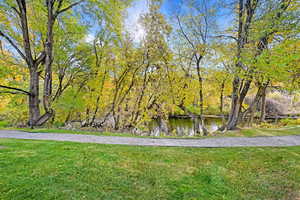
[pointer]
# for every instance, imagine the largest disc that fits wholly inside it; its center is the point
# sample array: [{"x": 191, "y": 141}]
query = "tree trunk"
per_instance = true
[
  {"x": 263, "y": 105},
  {"x": 253, "y": 105},
  {"x": 251, "y": 118},
  {"x": 95, "y": 112},
  {"x": 87, "y": 116},
  {"x": 136, "y": 113},
  {"x": 200, "y": 81},
  {"x": 68, "y": 117},
  {"x": 241, "y": 87},
  {"x": 45, "y": 56},
  {"x": 163, "y": 125},
  {"x": 240, "y": 90},
  {"x": 48, "y": 61},
  {"x": 222, "y": 97},
  {"x": 34, "y": 109},
  {"x": 201, "y": 100},
  {"x": 48, "y": 68},
  {"x": 234, "y": 116},
  {"x": 235, "y": 107}
]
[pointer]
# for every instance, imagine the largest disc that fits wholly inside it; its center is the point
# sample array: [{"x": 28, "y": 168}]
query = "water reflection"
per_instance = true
[{"x": 182, "y": 126}]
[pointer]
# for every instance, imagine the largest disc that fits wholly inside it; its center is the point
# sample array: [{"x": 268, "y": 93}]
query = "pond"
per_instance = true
[{"x": 182, "y": 126}]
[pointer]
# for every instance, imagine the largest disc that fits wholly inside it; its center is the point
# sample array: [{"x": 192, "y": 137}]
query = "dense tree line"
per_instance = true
[{"x": 187, "y": 63}]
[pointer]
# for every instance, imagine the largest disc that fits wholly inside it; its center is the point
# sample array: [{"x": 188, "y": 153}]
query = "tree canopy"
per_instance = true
[{"x": 66, "y": 60}]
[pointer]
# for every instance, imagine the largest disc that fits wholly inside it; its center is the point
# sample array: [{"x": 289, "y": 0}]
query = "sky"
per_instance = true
[
  {"x": 139, "y": 7},
  {"x": 169, "y": 8}
]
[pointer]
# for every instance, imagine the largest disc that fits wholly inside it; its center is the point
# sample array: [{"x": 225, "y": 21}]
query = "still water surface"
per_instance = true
[{"x": 183, "y": 126}]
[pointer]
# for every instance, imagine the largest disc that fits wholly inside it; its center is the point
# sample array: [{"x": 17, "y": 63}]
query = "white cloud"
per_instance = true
[
  {"x": 89, "y": 38},
  {"x": 132, "y": 25}
]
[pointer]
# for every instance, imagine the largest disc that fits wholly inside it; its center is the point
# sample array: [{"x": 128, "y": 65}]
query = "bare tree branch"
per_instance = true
[
  {"x": 227, "y": 36},
  {"x": 40, "y": 58},
  {"x": 1, "y": 47},
  {"x": 184, "y": 34},
  {"x": 13, "y": 45},
  {"x": 17, "y": 89},
  {"x": 59, "y": 4},
  {"x": 10, "y": 92},
  {"x": 18, "y": 12},
  {"x": 25, "y": 32},
  {"x": 67, "y": 8}
]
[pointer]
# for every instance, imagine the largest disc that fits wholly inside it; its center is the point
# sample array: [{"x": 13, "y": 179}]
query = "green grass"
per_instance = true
[
  {"x": 4, "y": 124},
  {"x": 65, "y": 170},
  {"x": 254, "y": 132},
  {"x": 57, "y": 130}
]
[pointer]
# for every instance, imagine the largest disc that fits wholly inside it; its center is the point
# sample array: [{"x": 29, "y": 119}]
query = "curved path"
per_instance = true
[{"x": 273, "y": 141}]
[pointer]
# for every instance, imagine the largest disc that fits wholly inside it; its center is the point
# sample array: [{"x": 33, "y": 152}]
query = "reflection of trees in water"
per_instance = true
[{"x": 183, "y": 127}]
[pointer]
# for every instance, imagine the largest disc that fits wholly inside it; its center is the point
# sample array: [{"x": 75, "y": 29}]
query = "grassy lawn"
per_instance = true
[
  {"x": 57, "y": 130},
  {"x": 65, "y": 170},
  {"x": 254, "y": 132}
]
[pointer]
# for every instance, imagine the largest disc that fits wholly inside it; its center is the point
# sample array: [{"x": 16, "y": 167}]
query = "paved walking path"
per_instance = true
[{"x": 273, "y": 141}]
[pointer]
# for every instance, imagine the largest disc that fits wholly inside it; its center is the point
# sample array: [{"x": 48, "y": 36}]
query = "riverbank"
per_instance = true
[{"x": 246, "y": 132}]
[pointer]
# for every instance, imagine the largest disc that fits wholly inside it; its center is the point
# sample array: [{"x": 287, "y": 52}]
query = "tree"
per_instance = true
[
  {"x": 251, "y": 13},
  {"x": 33, "y": 60},
  {"x": 196, "y": 28}
]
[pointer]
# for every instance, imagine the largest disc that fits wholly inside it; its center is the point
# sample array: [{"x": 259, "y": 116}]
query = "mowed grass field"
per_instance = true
[{"x": 65, "y": 170}]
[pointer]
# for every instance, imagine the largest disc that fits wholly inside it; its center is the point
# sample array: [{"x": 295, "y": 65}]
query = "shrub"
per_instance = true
[
  {"x": 286, "y": 122},
  {"x": 268, "y": 125},
  {"x": 4, "y": 124}
]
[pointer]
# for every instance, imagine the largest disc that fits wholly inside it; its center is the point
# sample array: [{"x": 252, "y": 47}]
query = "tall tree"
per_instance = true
[
  {"x": 250, "y": 13},
  {"x": 54, "y": 8},
  {"x": 196, "y": 27}
]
